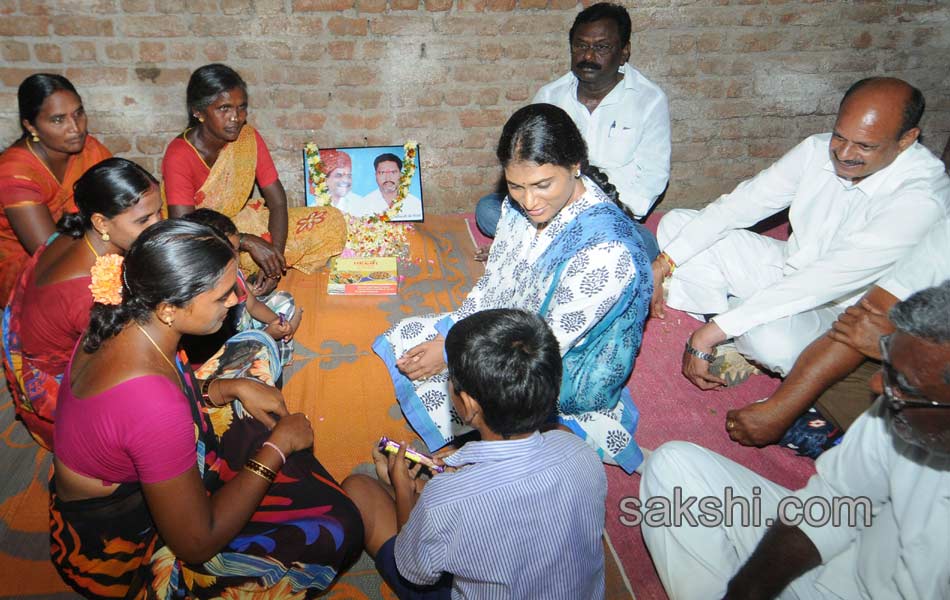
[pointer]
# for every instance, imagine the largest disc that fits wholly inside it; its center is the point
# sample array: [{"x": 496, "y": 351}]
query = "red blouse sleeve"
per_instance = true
[
  {"x": 266, "y": 171},
  {"x": 180, "y": 175}
]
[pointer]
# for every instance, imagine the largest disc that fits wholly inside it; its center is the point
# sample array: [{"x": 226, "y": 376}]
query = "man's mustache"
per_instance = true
[{"x": 588, "y": 65}]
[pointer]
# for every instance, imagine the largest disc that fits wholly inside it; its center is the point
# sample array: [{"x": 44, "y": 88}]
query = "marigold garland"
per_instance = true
[
  {"x": 375, "y": 235},
  {"x": 106, "y": 286}
]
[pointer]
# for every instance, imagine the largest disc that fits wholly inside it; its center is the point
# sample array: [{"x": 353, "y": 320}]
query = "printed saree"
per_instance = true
[
  {"x": 314, "y": 234},
  {"x": 302, "y": 535}
]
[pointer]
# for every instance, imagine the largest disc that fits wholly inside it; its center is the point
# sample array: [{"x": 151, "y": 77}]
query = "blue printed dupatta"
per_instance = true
[{"x": 594, "y": 401}]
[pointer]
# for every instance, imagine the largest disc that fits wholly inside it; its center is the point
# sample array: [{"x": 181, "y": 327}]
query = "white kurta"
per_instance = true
[
  {"x": 627, "y": 135},
  {"x": 903, "y": 554},
  {"x": 845, "y": 237}
]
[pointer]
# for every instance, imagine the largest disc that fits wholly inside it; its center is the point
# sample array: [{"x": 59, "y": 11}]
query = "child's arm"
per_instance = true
[
  {"x": 404, "y": 485},
  {"x": 278, "y": 326}
]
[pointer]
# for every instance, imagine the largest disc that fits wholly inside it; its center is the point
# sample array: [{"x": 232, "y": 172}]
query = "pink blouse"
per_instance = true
[{"x": 139, "y": 430}]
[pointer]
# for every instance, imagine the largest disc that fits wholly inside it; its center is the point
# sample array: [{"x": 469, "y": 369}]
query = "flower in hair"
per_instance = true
[{"x": 106, "y": 286}]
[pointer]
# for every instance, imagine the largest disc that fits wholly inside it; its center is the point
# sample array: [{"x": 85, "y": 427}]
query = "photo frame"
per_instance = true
[{"x": 371, "y": 187}]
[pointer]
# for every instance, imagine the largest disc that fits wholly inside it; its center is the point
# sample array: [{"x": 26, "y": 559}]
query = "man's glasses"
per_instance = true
[
  {"x": 892, "y": 385},
  {"x": 599, "y": 49}
]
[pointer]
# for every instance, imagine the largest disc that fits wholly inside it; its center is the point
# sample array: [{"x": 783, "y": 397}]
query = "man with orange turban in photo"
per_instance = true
[{"x": 339, "y": 170}]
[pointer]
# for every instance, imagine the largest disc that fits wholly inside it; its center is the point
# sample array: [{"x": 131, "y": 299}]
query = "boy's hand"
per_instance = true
[
  {"x": 402, "y": 478},
  {"x": 282, "y": 329}
]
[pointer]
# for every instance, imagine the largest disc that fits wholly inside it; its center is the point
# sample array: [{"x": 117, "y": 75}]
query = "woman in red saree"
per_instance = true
[
  {"x": 50, "y": 305},
  {"x": 37, "y": 172},
  {"x": 215, "y": 164}
]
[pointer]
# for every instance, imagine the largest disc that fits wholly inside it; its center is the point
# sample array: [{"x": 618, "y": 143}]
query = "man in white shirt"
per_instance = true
[
  {"x": 859, "y": 198},
  {"x": 623, "y": 116},
  {"x": 388, "y": 169},
  {"x": 832, "y": 373},
  {"x": 871, "y": 523}
]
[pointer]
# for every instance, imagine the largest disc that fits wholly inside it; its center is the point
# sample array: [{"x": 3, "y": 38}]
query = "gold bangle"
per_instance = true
[
  {"x": 206, "y": 393},
  {"x": 669, "y": 261},
  {"x": 260, "y": 470}
]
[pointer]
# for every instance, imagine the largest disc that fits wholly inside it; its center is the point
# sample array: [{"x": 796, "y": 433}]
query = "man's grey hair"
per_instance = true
[{"x": 926, "y": 315}]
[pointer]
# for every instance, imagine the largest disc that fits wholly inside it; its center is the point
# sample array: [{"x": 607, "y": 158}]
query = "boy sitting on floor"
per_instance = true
[
  {"x": 276, "y": 314},
  {"x": 519, "y": 514}
]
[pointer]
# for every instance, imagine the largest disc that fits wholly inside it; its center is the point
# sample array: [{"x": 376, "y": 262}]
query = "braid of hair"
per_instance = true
[
  {"x": 106, "y": 321},
  {"x": 72, "y": 224},
  {"x": 600, "y": 178}
]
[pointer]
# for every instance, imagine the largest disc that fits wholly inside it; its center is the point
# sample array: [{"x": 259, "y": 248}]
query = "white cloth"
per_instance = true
[
  {"x": 845, "y": 236},
  {"x": 373, "y": 203},
  {"x": 901, "y": 555},
  {"x": 927, "y": 265},
  {"x": 627, "y": 135},
  {"x": 722, "y": 276},
  {"x": 592, "y": 282},
  {"x": 350, "y": 204}
]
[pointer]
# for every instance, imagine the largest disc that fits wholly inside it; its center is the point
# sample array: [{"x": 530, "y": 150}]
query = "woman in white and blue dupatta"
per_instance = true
[{"x": 566, "y": 249}]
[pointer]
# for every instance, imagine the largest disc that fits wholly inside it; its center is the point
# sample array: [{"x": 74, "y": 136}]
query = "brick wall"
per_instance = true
[{"x": 746, "y": 79}]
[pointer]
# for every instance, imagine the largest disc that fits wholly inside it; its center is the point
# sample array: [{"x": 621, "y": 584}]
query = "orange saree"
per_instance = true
[
  {"x": 314, "y": 234},
  {"x": 24, "y": 180}
]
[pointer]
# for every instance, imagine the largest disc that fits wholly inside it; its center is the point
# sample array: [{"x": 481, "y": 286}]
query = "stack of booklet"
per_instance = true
[{"x": 365, "y": 276}]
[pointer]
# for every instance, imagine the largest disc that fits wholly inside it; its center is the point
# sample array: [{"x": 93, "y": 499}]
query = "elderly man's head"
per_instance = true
[
  {"x": 916, "y": 369},
  {"x": 877, "y": 120},
  {"x": 339, "y": 169}
]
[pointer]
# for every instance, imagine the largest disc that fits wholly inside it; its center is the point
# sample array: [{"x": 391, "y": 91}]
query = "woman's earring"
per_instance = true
[
  {"x": 105, "y": 236},
  {"x": 36, "y": 138},
  {"x": 201, "y": 119}
]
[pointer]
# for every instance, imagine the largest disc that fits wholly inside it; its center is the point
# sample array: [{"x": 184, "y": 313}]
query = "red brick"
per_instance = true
[
  {"x": 293, "y": 75},
  {"x": 135, "y": 6},
  {"x": 371, "y": 6},
  {"x": 182, "y": 52},
  {"x": 863, "y": 40},
  {"x": 709, "y": 42},
  {"x": 341, "y": 50},
  {"x": 482, "y": 118},
  {"x": 373, "y": 50},
  {"x": 80, "y": 51},
  {"x": 438, "y": 5},
  {"x": 97, "y": 75},
  {"x": 563, "y": 4},
  {"x": 756, "y": 17},
  {"x": 84, "y": 26},
  {"x": 120, "y": 51},
  {"x": 48, "y": 53},
  {"x": 404, "y": 4},
  {"x": 759, "y": 42},
  {"x": 346, "y": 26},
  {"x": 363, "y": 121},
  {"x": 152, "y": 52},
  {"x": 157, "y": 26},
  {"x": 355, "y": 76},
  {"x": 527, "y": 4},
  {"x": 681, "y": 44},
  {"x": 163, "y": 76},
  {"x": 151, "y": 144},
  {"x": 236, "y": 7},
  {"x": 13, "y": 76},
  {"x": 24, "y": 26},
  {"x": 425, "y": 118},
  {"x": 401, "y": 25},
  {"x": 27, "y": 7},
  {"x": 321, "y": 5},
  {"x": 117, "y": 144},
  {"x": 318, "y": 100},
  {"x": 518, "y": 93},
  {"x": 458, "y": 97},
  {"x": 18, "y": 51},
  {"x": 487, "y": 97},
  {"x": 358, "y": 98},
  {"x": 215, "y": 51}
]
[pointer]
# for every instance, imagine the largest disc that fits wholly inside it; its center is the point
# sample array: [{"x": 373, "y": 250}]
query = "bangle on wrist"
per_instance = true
[
  {"x": 706, "y": 356},
  {"x": 669, "y": 261},
  {"x": 206, "y": 393},
  {"x": 260, "y": 470},
  {"x": 271, "y": 444}
]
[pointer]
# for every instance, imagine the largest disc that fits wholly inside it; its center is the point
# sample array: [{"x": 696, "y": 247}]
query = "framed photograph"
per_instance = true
[{"x": 365, "y": 182}]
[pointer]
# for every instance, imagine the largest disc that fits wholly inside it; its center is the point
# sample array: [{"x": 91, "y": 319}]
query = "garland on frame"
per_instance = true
[{"x": 375, "y": 235}]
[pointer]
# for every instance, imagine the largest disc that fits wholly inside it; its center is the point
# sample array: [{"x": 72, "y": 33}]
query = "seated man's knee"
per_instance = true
[
  {"x": 770, "y": 349},
  {"x": 487, "y": 213},
  {"x": 671, "y": 224},
  {"x": 667, "y": 466}
]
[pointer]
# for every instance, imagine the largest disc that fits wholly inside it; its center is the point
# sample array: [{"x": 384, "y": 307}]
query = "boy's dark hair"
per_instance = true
[
  {"x": 509, "y": 361},
  {"x": 214, "y": 220}
]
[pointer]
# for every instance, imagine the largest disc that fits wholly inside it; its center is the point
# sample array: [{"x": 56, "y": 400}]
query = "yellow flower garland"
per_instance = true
[
  {"x": 106, "y": 286},
  {"x": 375, "y": 235}
]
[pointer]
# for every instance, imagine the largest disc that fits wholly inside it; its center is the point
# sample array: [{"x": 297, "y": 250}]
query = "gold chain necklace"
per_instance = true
[
  {"x": 170, "y": 363},
  {"x": 88, "y": 243}
]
